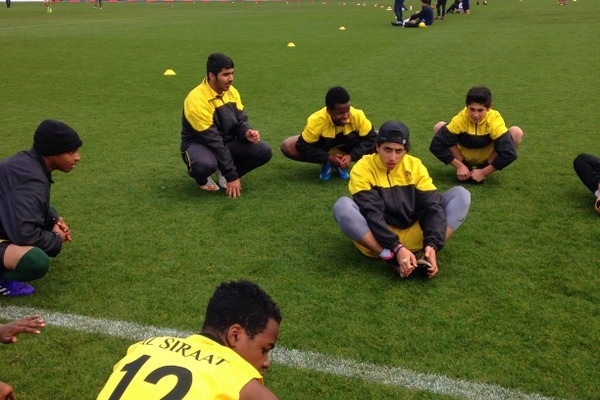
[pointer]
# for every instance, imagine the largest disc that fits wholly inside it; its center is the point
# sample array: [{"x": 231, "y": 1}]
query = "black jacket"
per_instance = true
[{"x": 26, "y": 218}]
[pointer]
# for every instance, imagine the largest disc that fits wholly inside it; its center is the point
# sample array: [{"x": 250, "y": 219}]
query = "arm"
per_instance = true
[
  {"x": 366, "y": 141},
  {"x": 25, "y": 220},
  {"x": 311, "y": 151},
  {"x": 372, "y": 208},
  {"x": 441, "y": 143},
  {"x": 505, "y": 148}
]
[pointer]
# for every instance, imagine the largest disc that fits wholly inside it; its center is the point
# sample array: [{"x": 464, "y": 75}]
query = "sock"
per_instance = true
[
  {"x": 386, "y": 254},
  {"x": 33, "y": 265}
]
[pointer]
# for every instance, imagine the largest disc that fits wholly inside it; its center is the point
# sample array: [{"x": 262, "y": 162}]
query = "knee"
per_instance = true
[
  {"x": 34, "y": 264},
  {"x": 437, "y": 126},
  {"x": 517, "y": 135},
  {"x": 288, "y": 147},
  {"x": 344, "y": 209},
  {"x": 458, "y": 195}
]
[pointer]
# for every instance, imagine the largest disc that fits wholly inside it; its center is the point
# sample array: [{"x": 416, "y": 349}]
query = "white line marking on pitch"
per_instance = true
[{"x": 379, "y": 374}]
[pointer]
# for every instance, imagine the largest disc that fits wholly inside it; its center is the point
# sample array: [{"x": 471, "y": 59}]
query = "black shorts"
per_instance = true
[{"x": 3, "y": 245}]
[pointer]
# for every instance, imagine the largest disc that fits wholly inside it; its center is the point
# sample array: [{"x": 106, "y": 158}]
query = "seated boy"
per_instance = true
[{"x": 476, "y": 142}]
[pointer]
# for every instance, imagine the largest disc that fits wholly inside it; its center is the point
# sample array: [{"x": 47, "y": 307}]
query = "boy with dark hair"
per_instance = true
[
  {"x": 226, "y": 360},
  {"x": 396, "y": 213},
  {"x": 31, "y": 230},
  {"x": 476, "y": 142},
  {"x": 334, "y": 136},
  {"x": 215, "y": 132}
]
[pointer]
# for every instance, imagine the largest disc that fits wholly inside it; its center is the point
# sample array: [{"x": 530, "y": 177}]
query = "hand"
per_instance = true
[
  {"x": 234, "y": 189},
  {"x": 345, "y": 160},
  {"x": 431, "y": 257},
  {"x": 31, "y": 324},
  {"x": 61, "y": 226},
  {"x": 478, "y": 175},
  {"x": 407, "y": 262},
  {"x": 6, "y": 392},
  {"x": 253, "y": 136},
  {"x": 462, "y": 172}
]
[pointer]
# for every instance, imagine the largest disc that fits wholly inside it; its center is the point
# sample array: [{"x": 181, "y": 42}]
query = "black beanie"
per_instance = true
[
  {"x": 54, "y": 137},
  {"x": 393, "y": 131}
]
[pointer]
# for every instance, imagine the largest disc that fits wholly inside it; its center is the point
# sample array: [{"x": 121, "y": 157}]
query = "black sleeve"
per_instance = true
[
  {"x": 311, "y": 152},
  {"x": 366, "y": 145},
  {"x": 505, "y": 148},
  {"x": 432, "y": 218},
  {"x": 371, "y": 206},
  {"x": 441, "y": 143}
]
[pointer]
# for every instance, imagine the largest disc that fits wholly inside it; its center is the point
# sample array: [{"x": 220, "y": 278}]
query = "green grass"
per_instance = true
[{"x": 516, "y": 301}]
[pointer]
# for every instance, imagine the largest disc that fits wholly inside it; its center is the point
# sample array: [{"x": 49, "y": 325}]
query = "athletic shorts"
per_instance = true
[
  {"x": 476, "y": 157},
  {"x": 3, "y": 245},
  {"x": 411, "y": 238}
]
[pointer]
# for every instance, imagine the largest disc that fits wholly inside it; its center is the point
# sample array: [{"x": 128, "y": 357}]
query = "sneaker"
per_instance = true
[
  {"x": 221, "y": 179},
  {"x": 14, "y": 288},
  {"x": 210, "y": 185},
  {"x": 325, "y": 174},
  {"x": 397, "y": 23},
  {"x": 343, "y": 173},
  {"x": 423, "y": 265}
]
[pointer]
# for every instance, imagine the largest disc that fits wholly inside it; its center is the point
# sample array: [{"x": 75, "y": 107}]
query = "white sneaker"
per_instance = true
[
  {"x": 222, "y": 180},
  {"x": 210, "y": 185}
]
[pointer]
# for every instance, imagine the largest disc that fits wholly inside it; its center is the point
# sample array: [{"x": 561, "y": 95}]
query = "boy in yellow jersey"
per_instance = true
[
  {"x": 226, "y": 360},
  {"x": 334, "y": 136},
  {"x": 476, "y": 142},
  {"x": 216, "y": 135},
  {"x": 396, "y": 213}
]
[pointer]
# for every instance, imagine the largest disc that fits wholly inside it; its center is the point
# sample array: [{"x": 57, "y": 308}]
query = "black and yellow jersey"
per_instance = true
[
  {"x": 213, "y": 119},
  {"x": 462, "y": 131},
  {"x": 189, "y": 368},
  {"x": 400, "y": 198},
  {"x": 321, "y": 130}
]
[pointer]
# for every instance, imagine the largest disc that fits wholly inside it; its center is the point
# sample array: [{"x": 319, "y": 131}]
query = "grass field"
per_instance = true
[{"x": 515, "y": 307}]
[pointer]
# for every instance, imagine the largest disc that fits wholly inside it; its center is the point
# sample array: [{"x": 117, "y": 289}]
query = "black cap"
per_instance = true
[
  {"x": 54, "y": 137},
  {"x": 393, "y": 131}
]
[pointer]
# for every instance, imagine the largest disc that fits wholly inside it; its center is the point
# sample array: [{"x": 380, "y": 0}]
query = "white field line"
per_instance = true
[{"x": 378, "y": 374}]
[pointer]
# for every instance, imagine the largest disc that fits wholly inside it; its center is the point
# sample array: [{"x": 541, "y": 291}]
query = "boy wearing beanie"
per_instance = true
[
  {"x": 31, "y": 230},
  {"x": 395, "y": 212}
]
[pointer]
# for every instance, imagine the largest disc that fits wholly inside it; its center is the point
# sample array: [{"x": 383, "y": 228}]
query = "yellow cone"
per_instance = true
[
  {"x": 169, "y": 72},
  {"x": 342, "y": 28},
  {"x": 291, "y": 44}
]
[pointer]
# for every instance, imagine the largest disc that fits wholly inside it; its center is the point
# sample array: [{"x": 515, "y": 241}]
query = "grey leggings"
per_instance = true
[{"x": 457, "y": 201}]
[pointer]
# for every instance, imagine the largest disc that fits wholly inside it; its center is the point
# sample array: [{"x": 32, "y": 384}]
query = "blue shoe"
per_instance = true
[
  {"x": 14, "y": 288},
  {"x": 344, "y": 174},
  {"x": 325, "y": 174}
]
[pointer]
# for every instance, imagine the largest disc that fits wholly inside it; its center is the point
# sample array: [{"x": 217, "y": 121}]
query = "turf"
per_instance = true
[{"x": 516, "y": 300}]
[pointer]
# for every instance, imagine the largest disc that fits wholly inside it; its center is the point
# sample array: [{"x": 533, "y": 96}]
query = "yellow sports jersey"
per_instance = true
[
  {"x": 476, "y": 141},
  {"x": 319, "y": 126},
  {"x": 173, "y": 368},
  {"x": 395, "y": 201},
  {"x": 201, "y": 104},
  {"x": 492, "y": 127}
]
